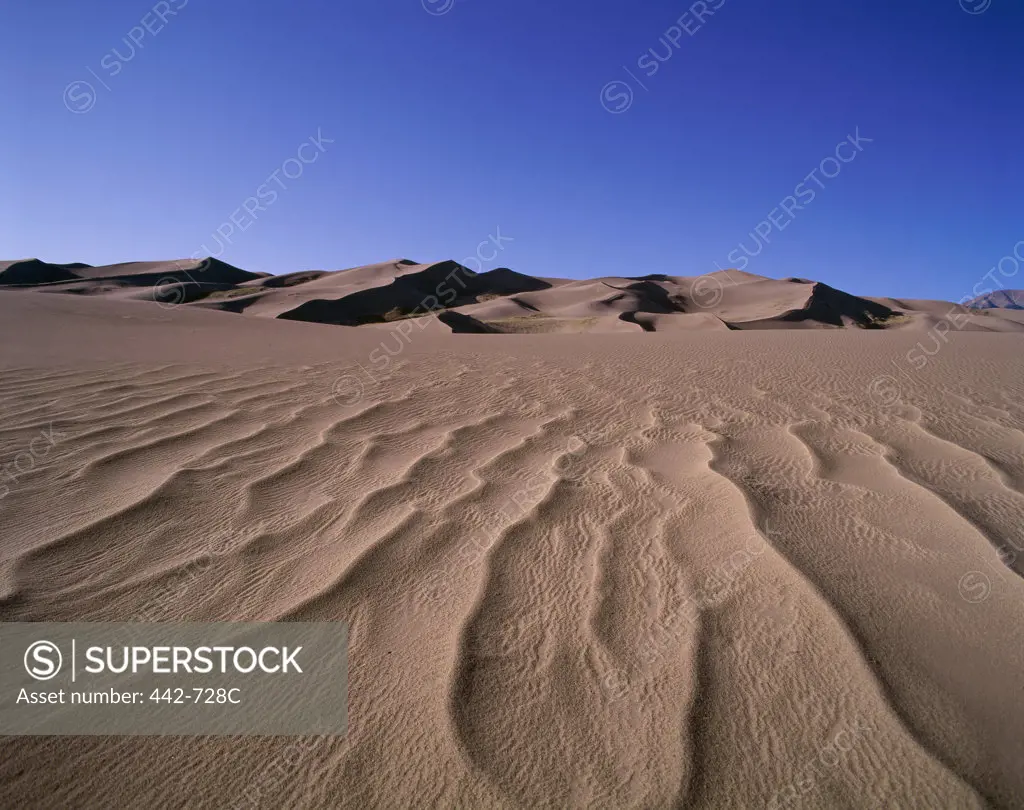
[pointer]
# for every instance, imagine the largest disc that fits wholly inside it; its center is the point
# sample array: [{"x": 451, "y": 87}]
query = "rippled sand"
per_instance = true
[{"x": 708, "y": 570}]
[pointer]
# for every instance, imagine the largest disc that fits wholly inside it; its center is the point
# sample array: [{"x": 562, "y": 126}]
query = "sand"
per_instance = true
[
  {"x": 502, "y": 301},
  {"x": 707, "y": 568}
]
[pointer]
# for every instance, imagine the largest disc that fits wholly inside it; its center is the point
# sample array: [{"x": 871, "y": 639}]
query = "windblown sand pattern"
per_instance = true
[{"x": 714, "y": 569}]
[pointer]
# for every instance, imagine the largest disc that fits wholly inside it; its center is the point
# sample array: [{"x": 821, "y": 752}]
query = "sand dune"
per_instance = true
[
  {"x": 504, "y": 301},
  {"x": 707, "y": 570},
  {"x": 33, "y": 272},
  {"x": 168, "y": 282}
]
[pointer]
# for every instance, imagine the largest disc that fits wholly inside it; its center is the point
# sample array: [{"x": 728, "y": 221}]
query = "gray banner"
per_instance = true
[{"x": 265, "y": 678}]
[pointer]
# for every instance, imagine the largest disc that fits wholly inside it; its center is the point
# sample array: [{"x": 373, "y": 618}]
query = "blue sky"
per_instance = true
[{"x": 444, "y": 122}]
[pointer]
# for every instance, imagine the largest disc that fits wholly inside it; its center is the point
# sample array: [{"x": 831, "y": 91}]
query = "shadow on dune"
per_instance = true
[
  {"x": 33, "y": 271},
  {"x": 439, "y": 286},
  {"x": 826, "y": 306}
]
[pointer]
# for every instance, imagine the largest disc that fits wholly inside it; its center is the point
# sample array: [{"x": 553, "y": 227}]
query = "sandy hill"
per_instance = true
[
  {"x": 1008, "y": 299},
  {"x": 176, "y": 282},
  {"x": 502, "y": 300},
  {"x": 33, "y": 271}
]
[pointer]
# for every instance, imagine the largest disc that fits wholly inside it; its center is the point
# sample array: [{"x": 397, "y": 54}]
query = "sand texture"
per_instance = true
[{"x": 734, "y": 565}]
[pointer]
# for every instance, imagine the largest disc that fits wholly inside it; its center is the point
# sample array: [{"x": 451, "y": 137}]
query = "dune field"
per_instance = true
[
  {"x": 665, "y": 547},
  {"x": 503, "y": 301}
]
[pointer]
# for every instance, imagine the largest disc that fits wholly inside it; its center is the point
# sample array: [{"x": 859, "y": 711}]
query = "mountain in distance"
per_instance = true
[{"x": 1000, "y": 299}]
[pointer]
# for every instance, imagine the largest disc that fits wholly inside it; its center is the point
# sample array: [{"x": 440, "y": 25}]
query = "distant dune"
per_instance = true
[
  {"x": 173, "y": 282},
  {"x": 33, "y": 271},
  {"x": 1008, "y": 299},
  {"x": 504, "y": 301}
]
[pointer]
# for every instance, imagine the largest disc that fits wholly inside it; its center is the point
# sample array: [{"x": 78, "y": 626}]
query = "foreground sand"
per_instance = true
[{"x": 687, "y": 570}]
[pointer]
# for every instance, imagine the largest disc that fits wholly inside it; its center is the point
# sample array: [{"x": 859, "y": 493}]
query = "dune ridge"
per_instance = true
[{"x": 503, "y": 301}]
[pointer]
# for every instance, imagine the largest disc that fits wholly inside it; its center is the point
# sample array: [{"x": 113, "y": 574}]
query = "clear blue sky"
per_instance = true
[{"x": 449, "y": 125}]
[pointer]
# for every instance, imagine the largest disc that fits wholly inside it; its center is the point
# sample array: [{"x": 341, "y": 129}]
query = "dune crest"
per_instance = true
[{"x": 504, "y": 301}]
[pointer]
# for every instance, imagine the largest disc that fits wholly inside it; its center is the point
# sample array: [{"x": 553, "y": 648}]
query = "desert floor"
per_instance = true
[{"x": 701, "y": 569}]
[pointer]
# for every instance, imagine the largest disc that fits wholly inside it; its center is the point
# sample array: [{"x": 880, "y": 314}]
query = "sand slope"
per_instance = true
[
  {"x": 504, "y": 301},
  {"x": 710, "y": 569}
]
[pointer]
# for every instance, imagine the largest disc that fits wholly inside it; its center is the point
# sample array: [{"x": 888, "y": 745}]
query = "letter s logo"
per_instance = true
[{"x": 43, "y": 660}]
